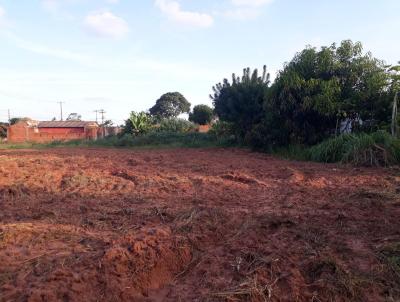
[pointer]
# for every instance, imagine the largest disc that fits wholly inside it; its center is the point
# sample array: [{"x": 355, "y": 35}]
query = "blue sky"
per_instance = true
[{"x": 121, "y": 55}]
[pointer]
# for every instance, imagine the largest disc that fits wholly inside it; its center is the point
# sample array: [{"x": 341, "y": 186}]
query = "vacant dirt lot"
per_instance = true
[{"x": 194, "y": 225}]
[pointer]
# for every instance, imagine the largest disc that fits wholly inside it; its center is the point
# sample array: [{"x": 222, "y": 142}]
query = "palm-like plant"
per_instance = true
[{"x": 140, "y": 122}]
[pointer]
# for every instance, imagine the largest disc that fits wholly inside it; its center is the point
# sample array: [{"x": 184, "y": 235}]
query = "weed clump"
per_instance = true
[
  {"x": 331, "y": 280},
  {"x": 376, "y": 149},
  {"x": 391, "y": 255}
]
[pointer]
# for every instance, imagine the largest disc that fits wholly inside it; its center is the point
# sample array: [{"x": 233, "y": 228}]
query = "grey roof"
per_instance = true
[{"x": 66, "y": 124}]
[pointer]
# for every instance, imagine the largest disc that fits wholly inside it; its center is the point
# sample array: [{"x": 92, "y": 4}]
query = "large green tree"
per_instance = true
[
  {"x": 319, "y": 89},
  {"x": 201, "y": 114},
  {"x": 170, "y": 105},
  {"x": 240, "y": 102}
]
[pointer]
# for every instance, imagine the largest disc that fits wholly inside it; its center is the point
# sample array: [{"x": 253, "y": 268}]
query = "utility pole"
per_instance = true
[
  {"x": 101, "y": 111},
  {"x": 103, "y": 134},
  {"x": 96, "y": 115},
  {"x": 61, "y": 109},
  {"x": 9, "y": 116}
]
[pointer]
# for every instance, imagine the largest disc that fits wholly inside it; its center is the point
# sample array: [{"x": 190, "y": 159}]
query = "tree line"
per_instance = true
[
  {"x": 319, "y": 94},
  {"x": 163, "y": 116}
]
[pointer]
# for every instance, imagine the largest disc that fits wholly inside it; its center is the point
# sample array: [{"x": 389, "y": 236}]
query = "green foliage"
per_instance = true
[
  {"x": 176, "y": 125},
  {"x": 395, "y": 120},
  {"x": 224, "y": 131},
  {"x": 241, "y": 102},
  {"x": 74, "y": 117},
  {"x": 15, "y": 120},
  {"x": 170, "y": 105},
  {"x": 310, "y": 98},
  {"x": 395, "y": 77},
  {"x": 201, "y": 114},
  {"x": 107, "y": 123},
  {"x": 332, "y": 150},
  {"x": 148, "y": 140},
  {"x": 171, "y": 139},
  {"x": 376, "y": 149},
  {"x": 269, "y": 134},
  {"x": 320, "y": 88},
  {"x": 138, "y": 123},
  {"x": 3, "y": 130},
  {"x": 395, "y": 88}
]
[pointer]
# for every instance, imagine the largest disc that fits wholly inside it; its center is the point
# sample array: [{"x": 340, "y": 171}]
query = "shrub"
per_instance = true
[
  {"x": 202, "y": 115},
  {"x": 175, "y": 125},
  {"x": 376, "y": 149},
  {"x": 222, "y": 129},
  {"x": 3, "y": 130}
]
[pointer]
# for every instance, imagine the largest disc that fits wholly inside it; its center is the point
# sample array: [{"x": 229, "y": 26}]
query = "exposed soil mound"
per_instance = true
[
  {"x": 57, "y": 262},
  {"x": 141, "y": 262}
]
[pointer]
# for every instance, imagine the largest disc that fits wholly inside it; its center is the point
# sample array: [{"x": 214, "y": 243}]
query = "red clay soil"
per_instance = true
[{"x": 195, "y": 225}]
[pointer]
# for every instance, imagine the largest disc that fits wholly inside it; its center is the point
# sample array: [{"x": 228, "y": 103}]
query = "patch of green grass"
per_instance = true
[
  {"x": 293, "y": 152},
  {"x": 151, "y": 140},
  {"x": 159, "y": 139},
  {"x": 376, "y": 149},
  {"x": 5, "y": 146}
]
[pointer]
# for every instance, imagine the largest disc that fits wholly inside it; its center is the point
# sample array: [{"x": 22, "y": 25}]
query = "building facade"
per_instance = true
[{"x": 42, "y": 132}]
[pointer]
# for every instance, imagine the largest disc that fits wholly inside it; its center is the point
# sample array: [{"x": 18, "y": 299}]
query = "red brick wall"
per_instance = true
[
  {"x": 55, "y": 134},
  {"x": 91, "y": 133},
  {"x": 20, "y": 132},
  {"x": 17, "y": 133}
]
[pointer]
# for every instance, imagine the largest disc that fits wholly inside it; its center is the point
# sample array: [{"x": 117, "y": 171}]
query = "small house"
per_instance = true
[{"x": 48, "y": 131}]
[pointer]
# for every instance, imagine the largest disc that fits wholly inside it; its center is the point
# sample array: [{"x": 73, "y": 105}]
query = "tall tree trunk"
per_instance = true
[{"x": 395, "y": 125}]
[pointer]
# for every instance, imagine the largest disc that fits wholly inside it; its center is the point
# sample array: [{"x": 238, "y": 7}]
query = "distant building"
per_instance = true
[
  {"x": 41, "y": 132},
  {"x": 203, "y": 128}
]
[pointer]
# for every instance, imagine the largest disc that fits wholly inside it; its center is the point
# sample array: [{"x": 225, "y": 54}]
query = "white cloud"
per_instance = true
[
  {"x": 50, "y": 5},
  {"x": 242, "y": 13},
  {"x": 246, "y": 9},
  {"x": 253, "y": 3},
  {"x": 175, "y": 13},
  {"x": 48, "y": 51},
  {"x": 106, "y": 24},
  {"x": 58, "y": 8},
  {"x": 2, "y": 16}
]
